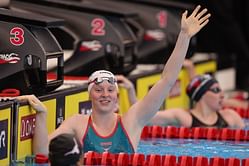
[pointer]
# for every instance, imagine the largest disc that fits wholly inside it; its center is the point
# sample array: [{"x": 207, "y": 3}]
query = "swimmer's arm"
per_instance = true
[
  {"x": 67, "y": 126},
  {"x": 40, "y": 137},
  {"x": 238, "y": 121},
  {"x": 235, "y": 103},
  {"x": 146, "y": 108},
  {"x": 173, "y": 117},
  {"x": 132, "y": 95},
  {"x": 128, "y": 85},
  {"x": 190, "y": 67},
  {"x": 164, "y": 118},
  {"x": 233, "y": 118}
]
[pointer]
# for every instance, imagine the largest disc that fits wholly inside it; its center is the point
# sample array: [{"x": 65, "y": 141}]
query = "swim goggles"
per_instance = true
[
  {"x": 215, "y": 90},
  {"x": 99, "y": 80}
]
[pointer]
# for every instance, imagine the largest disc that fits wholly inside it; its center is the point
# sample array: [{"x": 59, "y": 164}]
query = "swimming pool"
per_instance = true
[
  {"x": 161, "y": 142},
  {"x": 170, "y": 152},
  {"x": 194, "y": 147},
  {"x": 210, "y": 144},
  {"x": 223, "y": 144}
]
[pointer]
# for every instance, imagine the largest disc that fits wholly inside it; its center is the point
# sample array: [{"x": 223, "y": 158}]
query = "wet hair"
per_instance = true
[
  {"x": 64, "y": 150},
  {"x": 199, "y": 85}
]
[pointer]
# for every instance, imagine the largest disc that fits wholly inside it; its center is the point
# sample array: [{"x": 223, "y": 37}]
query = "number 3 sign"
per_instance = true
[{"x": 17, "y": 36}]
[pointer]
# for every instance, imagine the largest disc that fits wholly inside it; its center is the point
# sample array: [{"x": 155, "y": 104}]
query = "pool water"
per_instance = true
[
  {"x": 246, "y": 124},
  {"x": 194, "y": 147}
]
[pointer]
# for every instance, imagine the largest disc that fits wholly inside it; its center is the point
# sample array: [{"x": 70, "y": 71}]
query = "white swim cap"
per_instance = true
[{"x": 99, "y": 76}]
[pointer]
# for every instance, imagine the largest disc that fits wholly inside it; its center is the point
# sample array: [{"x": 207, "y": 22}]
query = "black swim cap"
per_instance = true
[{"x": 199, "y": 85}]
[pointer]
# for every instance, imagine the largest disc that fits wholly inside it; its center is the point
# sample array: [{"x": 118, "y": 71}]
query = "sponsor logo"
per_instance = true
[
  {"x": 9, "y": 58},
  {"x": 156, "y": 34},
  {"x": 85, "y": 107},
  {"x": 3, "y": 138},
  {"x": 27, "y": 127},
  {"x": 59, "y": 117},
  {"x": 60, "y": 110},
  {"x": 106, "y": 146},
  {"x": 90, "y": 46}
]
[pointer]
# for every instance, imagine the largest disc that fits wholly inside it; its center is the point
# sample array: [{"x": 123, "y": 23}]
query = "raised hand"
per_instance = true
[
  {"x": 188, "y": 64},
  {"x": 195, "y": 22},
  {"x": 34, "y": 102},
  {"x": 128, "y": 85},
  {"x": 124, "y": 82}
]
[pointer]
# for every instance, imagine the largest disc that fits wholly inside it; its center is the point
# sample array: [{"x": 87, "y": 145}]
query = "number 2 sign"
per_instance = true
[
  {"x": 98, "y": 27},
  {"x": 162, "y": 19}
]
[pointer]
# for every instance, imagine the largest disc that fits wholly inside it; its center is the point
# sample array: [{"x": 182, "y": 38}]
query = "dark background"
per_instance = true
[{"x": 227, "y": 34}]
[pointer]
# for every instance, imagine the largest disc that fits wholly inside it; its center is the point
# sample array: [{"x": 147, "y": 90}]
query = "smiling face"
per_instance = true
[
  {"x": 104, "y": 97},
  {"x": 214, "y": 97}
]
